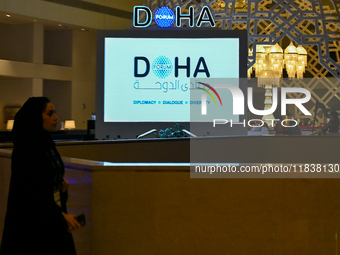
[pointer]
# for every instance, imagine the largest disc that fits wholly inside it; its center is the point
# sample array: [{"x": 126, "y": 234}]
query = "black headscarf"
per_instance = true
[
  {"x": 28, "y": 122},
  {"x": 29, "y": 136}
]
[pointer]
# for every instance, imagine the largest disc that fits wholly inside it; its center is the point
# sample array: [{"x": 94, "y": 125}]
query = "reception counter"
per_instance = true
[
  {"x": 136, "y": 207},
  {"x": 139, "y": 208}
]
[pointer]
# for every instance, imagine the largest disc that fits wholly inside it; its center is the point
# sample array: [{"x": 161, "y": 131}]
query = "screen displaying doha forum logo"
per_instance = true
[{"x": 148, "y": 79}]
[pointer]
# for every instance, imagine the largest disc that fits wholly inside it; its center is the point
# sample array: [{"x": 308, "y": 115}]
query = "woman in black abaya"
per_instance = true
[{"x": 36, "y": 220}]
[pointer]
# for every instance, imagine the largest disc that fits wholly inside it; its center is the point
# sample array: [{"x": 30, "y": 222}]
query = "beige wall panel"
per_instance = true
[
  {"x": 84, "y": 56},
  {"x": 18, "y": 6},
  {"x": 75, "y": 16},
  {"x": 58, "y": 47},
  {"x": 18, "y": 45},
  {"x": 37, "y": 87},
  {"x": 13, "y": 92},
  {"x": 90, "y": 19},
  {"x": 42, "y": 10},
  {"x": 38, "y": 43},
  {"x": 29, "y": 70},
  {"x": 84, "y": 75},
  {"x": 3, "y": 5},
  {"x": 61, "y": 13},
  {"x": 112, "y": 22},
  {"x": 60, "y": 94},
  {"x": 125, "y": 5},
  {"x": 83, "y": 103}
]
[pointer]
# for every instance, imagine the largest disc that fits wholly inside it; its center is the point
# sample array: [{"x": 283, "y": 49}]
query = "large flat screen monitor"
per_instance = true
[{"x": 143, "y": 76}]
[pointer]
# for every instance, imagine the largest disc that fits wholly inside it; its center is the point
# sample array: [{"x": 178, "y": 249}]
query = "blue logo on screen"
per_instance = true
[
  {"x": 164, "y": 17},
  {"x": 162, "y": 67}
]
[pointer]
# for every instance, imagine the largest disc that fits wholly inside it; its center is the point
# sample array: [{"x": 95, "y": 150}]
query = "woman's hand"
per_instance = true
[
  {"x": 72, "y": 223},
  {"x": 64, "y": 185}
]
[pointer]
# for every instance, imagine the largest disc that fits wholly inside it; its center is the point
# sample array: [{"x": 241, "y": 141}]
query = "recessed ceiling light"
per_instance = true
[
  {"x": 8, "y": 15},
  {"x": 60, "y": 25}
]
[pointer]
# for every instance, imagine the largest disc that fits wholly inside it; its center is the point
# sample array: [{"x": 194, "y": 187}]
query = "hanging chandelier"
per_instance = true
[{"x": 270, "y": 61}]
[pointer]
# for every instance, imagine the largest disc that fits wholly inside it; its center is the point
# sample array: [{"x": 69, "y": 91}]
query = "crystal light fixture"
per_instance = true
[
  {"x": 291, "y": 59},
  {"x": 269, "y": 65},
  {"x": 270, "y": 61}
]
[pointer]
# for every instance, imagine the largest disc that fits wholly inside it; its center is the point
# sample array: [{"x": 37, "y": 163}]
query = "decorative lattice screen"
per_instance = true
[{"x": 310, "y": 23}]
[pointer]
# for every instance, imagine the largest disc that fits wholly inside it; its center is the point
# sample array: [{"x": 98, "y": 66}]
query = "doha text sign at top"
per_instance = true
[{"x": 166, "y": 17}]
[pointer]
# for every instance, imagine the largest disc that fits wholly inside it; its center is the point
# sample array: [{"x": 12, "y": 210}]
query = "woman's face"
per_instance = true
[{"x": 49, "y": 118}]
